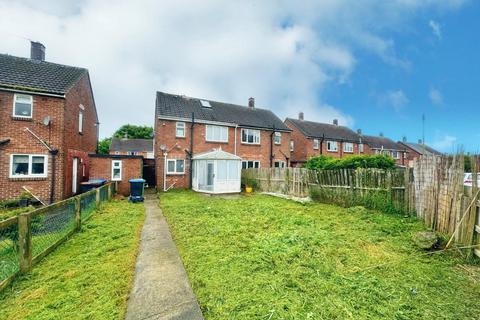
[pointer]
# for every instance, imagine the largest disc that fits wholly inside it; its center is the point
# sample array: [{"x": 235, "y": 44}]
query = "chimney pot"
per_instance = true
[
  {"x": 37, "y": 51},
  {"x": 335, "y": 122},
  {"x": 381, "y": 134},
  {"x": 359, "y": 131},
  {"x": 420, "y": 141},
  {"x": 404, "y": 139},
  {"x": 251, "y": 102},
  {"x": 300, "y": 116}
]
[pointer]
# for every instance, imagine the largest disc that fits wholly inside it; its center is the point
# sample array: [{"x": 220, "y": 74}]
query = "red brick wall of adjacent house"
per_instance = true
[
  {"x": 165, "y": 135},
  {"x": 79, "y": 145},
  {"x": 22, "y": 142},
  {"x": 101, "y": 168}
]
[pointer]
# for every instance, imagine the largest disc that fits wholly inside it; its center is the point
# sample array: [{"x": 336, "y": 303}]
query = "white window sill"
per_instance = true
[
  {"x": 347, "y": 151},
  {"x": 175, "y": 173},
  {"x": 251, "y": 144},
  {"x": 213, "y": 141},
  {"x": 22, "y": 177}
]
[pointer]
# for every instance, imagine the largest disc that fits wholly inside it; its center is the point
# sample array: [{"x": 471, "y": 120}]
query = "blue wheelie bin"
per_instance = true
[{"x": 136, "y": 190}]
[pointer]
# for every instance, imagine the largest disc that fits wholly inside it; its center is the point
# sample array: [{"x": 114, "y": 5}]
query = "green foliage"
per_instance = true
[
  {"x": 351, "y": 162},
  {"x": 134, "y": 132},
  {"x": 87, "y": 277},
  {"x": 260, "y": 257},
  {"x": 104, "y": 145},
  {"x": 249, "y": 181}
]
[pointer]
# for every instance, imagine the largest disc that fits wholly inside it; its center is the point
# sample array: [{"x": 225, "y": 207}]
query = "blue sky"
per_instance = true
[{"x": 373, "y": 64}]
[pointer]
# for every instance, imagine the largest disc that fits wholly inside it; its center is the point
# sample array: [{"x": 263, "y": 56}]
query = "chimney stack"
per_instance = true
[
  {"x": 300, "y": 116},
  {"x": 37, "y": 51},
  {"x": 335, "y": 122},
  {"x": 381, "y": 134},
  {"x": 251, "y": 102},
  {"x": 359, "y": 131}
]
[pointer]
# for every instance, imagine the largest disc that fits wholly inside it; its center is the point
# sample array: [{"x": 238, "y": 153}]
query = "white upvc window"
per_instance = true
[
  {"x": 22, "y": 106},
  {"x": 396, "y": 155},
  {"x": 277, "y": 138},
  {"x": 316, "y": 144},
  {"x": 132, "y": 153},
  {"x": 80, "y": 121},
  {"x": 249, "y": 164},
  {"x": 360, "y": 147},
  {"x": 116, "y": 170},
  {"x": 386, "y": 153},
  {"x": 280, "y": 164},
  {"x": 292, "y": 145},
  {"x": 216, "y": 133},
  {"x": 250, "y": 136},
  {"x": 175, "y": 166},
  {"x": 348, "y": 147},
  {"x": 180, "y": 130},
  {"x": 28, "y": 166},
  {"x": 332, "y": 146}
]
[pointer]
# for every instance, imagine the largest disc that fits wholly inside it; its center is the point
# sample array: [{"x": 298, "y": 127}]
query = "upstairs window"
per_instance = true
[
  {"x": 292, "y": 145},
  {"x": 80, "y": 121},
  {"x": 316, "y": 144},
  {"x": 180, "y": 130},
  {"x": 216, "y": 134},
  {"x": 116, "y": 170},
  {"x": 348, "y": 147},
  {"x": 277, "y": 138},
  {"x": 22, "y": 106},
  {"x": 28, "y": 165},
  {"x": 332, "y": 146},
  {"x": 396, "y": 155},
  {"x": 250, "y": 136}
]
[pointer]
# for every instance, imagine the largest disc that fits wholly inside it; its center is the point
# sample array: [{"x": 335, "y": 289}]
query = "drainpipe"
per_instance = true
[
  {"x": 321, "y": 143},
  {"x": 271, "y": 146},
  {"x": 190, "y": 170},
  {"x": 235, "y": 143},
  {"x": 54, "y": 153},
  {"x": 164, "y": 171}
]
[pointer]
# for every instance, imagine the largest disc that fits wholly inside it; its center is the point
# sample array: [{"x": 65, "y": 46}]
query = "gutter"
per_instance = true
[{"x": 34, "y": 92}]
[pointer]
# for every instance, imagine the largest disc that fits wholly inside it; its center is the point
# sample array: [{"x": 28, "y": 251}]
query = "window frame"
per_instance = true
[
  {"x": 80, "y": 122},
  {"x": 279, "y": 136},
  {"x": 361, "y": 148},
  {"x": 121, "y": 170},
  {"x": 30, "y": 162},
  {"x": 292, "y": 146},
  {"x": 395, "y": 154},
  {"x": 316, "y": 144},
  {"x": 175, "y": 172},
  {"x": 31, "y": 106},
  {"x": 349, "y": 144},
  {"x": 329, "y": 142},
  {"x": 282, "y": 164},
  {"x": 253, "y": 164},
  {"x": 253, "y": 130},
  {"x": 180, "y": 124},
  {"x": 214, "y": 126}
]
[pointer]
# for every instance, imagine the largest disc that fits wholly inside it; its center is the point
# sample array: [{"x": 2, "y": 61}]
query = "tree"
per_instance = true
[
  {"x": 134, "y": 132},
  {"x": 104, "y": 145}
]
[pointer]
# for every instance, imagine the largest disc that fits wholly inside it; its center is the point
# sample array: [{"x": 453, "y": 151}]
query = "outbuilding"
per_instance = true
[{"x": 216, "y": 171}]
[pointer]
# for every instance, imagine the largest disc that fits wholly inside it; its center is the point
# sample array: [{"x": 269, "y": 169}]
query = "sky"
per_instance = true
[{"x": 374, "y": 65}]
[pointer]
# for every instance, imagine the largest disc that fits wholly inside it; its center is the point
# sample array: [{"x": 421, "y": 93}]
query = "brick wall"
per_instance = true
[
  {"x": 177, "y": 147},
  {"x": 22, "y": 142},
  {"x": 101, "y": 168}
]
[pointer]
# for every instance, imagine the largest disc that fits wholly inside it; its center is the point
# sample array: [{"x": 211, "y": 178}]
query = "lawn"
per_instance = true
[
  {"x": 259, "y": 257},
  {"x": 87, "y": 277}
]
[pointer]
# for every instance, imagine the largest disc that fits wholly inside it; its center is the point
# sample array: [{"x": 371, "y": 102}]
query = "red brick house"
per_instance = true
[
  {"x": 416, "y": 150},
  {"x": 311, "y": 139},
  {"x": 186, "y": 126},
  {"x": 48, "y": 125},
  {"x": 386, "y": 146},
  {"x": 132, "y": 147}
]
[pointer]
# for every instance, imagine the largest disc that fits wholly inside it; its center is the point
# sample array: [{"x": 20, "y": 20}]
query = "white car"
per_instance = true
[{"x": 467, "y": 179}]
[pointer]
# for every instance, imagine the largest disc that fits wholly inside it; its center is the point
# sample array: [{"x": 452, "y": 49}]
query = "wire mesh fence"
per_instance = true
[
  {"x": 9, "y": 262},
  {"x": 24, "y": 244},
  {"x": 52, "y": 225},
  {"x": 88, "y": 202}
]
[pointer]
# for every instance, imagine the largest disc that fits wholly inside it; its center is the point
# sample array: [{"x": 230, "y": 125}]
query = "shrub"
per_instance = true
[{"x": 351, "y": 162}]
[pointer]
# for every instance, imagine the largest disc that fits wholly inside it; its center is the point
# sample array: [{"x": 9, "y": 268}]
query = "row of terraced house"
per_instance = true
[{"x": 49, "y": 134}]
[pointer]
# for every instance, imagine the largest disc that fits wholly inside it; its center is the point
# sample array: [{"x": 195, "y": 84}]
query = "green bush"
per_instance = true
[{"x": 351, "y": 162}]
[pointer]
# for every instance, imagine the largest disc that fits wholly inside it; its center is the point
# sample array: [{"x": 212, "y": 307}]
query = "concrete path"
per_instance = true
[{"x": 161, "y": 289}]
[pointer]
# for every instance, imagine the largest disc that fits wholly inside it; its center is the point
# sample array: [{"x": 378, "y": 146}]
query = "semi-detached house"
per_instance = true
[
  {"x": 383, "y": 145},
  {"x": 48, "y": 125},
  {"x": 186, "y": 126}
]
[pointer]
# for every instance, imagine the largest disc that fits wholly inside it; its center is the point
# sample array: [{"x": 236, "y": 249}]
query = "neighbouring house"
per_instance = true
[
  {"x": 311, "y": 139},
  {"x": 132, "y": 147},
  {"x": 416, "y": 150},
  {"x": 116, "y": 168},
  {"x": 186, "y": 127},
  {"x": 383, "y": 145},
  {"x": 48, "y": 126}
]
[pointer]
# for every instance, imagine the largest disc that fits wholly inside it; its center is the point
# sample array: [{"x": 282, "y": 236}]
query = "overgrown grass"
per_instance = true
[
  {"x": 258, "y": 257},
  {"x": 87, "y": 277},
  {"x": 6, "y": 213}
]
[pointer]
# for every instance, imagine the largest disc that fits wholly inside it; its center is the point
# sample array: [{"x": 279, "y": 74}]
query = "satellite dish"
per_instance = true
[
  {"x": 163, "y": 147},
  {"x": 46, "y": 121}
]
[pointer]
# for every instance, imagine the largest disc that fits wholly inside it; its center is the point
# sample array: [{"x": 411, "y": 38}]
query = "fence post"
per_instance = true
[
  {"x": 78, "y": 216},
  {"x": 25, "y": 242},
  {"x": 109, "y": 191},
  {"x": 97, "y": 198}
]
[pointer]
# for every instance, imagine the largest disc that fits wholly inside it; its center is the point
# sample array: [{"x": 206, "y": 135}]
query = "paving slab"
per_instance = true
[{"x": 161, "y": 289}]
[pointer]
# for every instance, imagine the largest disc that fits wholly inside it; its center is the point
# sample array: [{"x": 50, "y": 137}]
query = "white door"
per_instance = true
[
  {"x": 74, "y": 175},
  {"x": 210, "y": 175}
]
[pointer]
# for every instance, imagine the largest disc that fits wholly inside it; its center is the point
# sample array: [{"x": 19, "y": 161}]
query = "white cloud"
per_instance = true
[
  {"x": 282, "y": 53},
  {"x": 436, "y": 29},
  {"x": 394, "y": 98},
  {"x": 446, "y": 143},
  {"x": 435, "y": 96}
]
